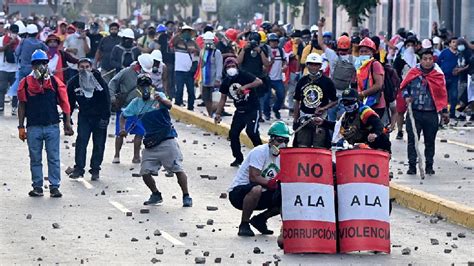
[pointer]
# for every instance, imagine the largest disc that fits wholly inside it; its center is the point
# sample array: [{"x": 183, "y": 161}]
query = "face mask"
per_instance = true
[
  {"x": 145, "y": 92},
  {"x": 351, "y": 108},
  {"x": 209, "y": 46},
  {"x": 360, "y": 59},
  {"x": 113, "y": 34},
  {"x": 41, "y": 72},
  {"x": 127, "y": 43},
  {"x": 345, "y": 57},
  {"x": 315, "y": 75},
  {"x": 186, "y": 36},
  {"x": 232, "y": 71},
  {"x": 53, "y": 50},
  {"x": 151, "y": 32},
  {"x": 410, "y": 50},
  {"x": 155, "y": 69},
  {"x": 275, "y": 150},
  {"x": 461, "y": 47}
]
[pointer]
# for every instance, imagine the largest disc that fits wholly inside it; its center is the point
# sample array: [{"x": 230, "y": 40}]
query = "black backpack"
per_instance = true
[{"x": 391, "y": 83}]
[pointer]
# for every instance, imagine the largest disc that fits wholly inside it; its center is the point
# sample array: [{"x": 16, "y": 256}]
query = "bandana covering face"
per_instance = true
[{"x": 88, "y": 83}]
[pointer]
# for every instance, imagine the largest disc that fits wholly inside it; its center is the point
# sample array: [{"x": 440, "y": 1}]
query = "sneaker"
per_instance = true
[
  {"x": 277, "y": 115},
  {"x": 202, "y": 104},
  {"x": 116, "y": 160},
  {"x": 224, "y": 113},
  {"x": 155, "y": 198},
  {"x": 76, "y": 175},
  {"x": 36, "y": 192},
  {"x": 429, "y": 170},
  {"x": 400, "y": 135},
  {"x": 169, "y": 174},
  {"x": 136, "y": 160},
  {"x": 95, "y": 176},
  {"x": 260, "y": 225},
  {"x": 411, "y": 170},
  {"x": 55, "y": 193},
  {"x": 187, "y": 201},
  {"x": 244, "y": 230},
  {"x": 14, "y": 111},
  {"x": 236, "y": 163}
]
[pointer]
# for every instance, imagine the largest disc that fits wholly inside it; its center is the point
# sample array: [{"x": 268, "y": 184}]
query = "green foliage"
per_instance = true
[
  {"x": 357, "y": 9},
  {"x": 295, "y": 6}
]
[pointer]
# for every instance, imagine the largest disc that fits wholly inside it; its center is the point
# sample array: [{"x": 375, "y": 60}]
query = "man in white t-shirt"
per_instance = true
[
  {"x": 8, "y": 65},
  {"x": 79, "y": 45},
  {"x": 253, "y": 188},
  {"x": 278, "y": 63}
]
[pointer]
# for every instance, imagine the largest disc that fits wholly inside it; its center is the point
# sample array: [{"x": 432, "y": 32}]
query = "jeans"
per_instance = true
[
  {"x": 291, "y": 90},
  {"x": 241, "y": 120},
  {"x": 171, "y": 93},
  {"x": 6, "y": 80},
  {"x": 428, "y": 123},
  {"x": 185, "y": 78},
  {"x": 49, "y": 135},
  {"x": 452, "y": 87},
  {"x": 335, "y": 112},
  {"x": 87, "y": 126},
  {"x": 279, "y": 88}
]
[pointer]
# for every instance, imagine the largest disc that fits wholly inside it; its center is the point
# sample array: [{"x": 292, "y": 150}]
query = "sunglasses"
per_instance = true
[{"x": 281, "y": 140}]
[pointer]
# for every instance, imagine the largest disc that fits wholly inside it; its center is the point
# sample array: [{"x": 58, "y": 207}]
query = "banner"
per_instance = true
[
  {"x": 308, "y": 211},
  {"x": 209, "y": 5},
  {"x": 363, "y": 200}
]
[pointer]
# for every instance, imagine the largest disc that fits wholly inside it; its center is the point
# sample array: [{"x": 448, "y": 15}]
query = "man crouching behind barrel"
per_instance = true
[{"x": 254, "y": 185}]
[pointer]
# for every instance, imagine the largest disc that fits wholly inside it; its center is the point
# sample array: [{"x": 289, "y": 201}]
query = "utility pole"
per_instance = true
[
  {"x": 390, "y": 19},
  {"x": 313, "y": 12},
  {"x": 446, "y": 18},
  {"x": 334, "y": 19}
]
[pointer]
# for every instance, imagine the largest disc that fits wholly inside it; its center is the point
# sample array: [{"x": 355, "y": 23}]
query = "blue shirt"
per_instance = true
[
  {"x": 448, "y": 60},
  {"x": 155, "y": 117},
  {"x": 26, "y": 48}
]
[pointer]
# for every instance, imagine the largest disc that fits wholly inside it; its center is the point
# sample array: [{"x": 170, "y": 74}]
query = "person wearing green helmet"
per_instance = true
[{"x": 254, "y": 185}]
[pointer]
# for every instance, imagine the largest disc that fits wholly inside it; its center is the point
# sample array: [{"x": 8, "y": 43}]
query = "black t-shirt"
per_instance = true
[
  {"x": 248, "y": 101},
  {"x": 105, "y": 47},
  {"x": 168, "y": 54},
  {"x": 314, "y": 94},
  {"x": 95, "y": 41},
  {"x": 253, "y": 62}
]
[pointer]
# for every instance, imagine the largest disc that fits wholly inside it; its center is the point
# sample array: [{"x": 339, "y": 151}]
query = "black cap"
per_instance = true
[
  {"x": 355, "y": 39},
  {"x": 305, "y": 32},
  {"x": 114, "y": 24},
  {"x": 296, "y": 34},
  {"x": 143, "y": 80},
  {"x": 208, "y": 28},
  {"x": 349, "y": 94}
]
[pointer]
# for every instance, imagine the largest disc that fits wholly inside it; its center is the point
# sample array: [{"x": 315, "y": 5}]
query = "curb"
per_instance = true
[{"x": 408, "y": 197}]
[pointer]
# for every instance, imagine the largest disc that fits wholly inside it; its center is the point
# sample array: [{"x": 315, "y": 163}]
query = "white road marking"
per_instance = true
[
  {"x": 171, "y": 239},
  {"x": 85, "y": 183},
  {"x": 119, "y": 206},
  {"x": 459, "y": 143}
]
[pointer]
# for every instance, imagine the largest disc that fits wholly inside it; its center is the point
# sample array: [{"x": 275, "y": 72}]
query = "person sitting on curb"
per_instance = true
[
  {"x": 161, "y": 147},
  {"x": 253, "y": 188}
]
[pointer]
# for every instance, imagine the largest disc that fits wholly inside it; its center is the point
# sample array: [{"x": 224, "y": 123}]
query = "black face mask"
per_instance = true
[
  {"x": 145, "y": 93},
  {"x": 113, "y": 34},
  {"x": 151, "y": 32},
  {"x": 127, "y": 42}
]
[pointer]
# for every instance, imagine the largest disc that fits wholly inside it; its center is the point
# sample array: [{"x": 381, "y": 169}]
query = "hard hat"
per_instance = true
[
  {"x": 327, "y": 34},
  {"x": 426, "y": 44},
  {"x": 314, "y": 28},
  {"x": 280, "y": 129},
  {"x": 31, "y": 29},
  {"x": 208, "y": 36},
  {"x": 161, "y": 28},
  {"x": 266, "y": 25},
  {"x": 273, "y": 37},
  {"x": 39, "y": 55},
  {"x": 314, "y": 58},
  {"x": 186, "y": 27},
  {"x": 367, "y": 42},
  {"x": 21, "y": 27},
  {"x": 231, "y": 34},
  {"x": 263, "y": 36},
  {"x": 255, "y": 36},
  {"x": 146, "y": 62},
  {"x": 436, "y": 40},
  {"x": 156, "y": 54},
  {"x": 343, "y": 42},
  {"x": 128, "y": 33}
]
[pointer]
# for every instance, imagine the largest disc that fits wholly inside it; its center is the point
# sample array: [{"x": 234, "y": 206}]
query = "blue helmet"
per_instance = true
[
  {"x": 273, "y": 37},
  {"x": 327, "y": 34},
  {"x": 161, "y": 28},
  {"x": 39, "y": 55}
]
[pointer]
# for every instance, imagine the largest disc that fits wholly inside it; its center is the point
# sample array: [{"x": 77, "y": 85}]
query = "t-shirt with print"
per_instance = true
[
  {"x": 260, "y": 158},
  {"x": 276, "y": 70},
  {"x": 314, "y": 94},
  {"x": 247, "y": 101},
  {"x": 155, "y": 117},
  {"x": 4, "y": 65}
]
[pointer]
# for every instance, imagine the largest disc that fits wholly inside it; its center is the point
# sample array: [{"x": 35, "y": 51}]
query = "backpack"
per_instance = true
[
  {"x": 343, "y": 73},
  {"x": 126, "y": 51},
  {"x": 391, "y": 83}
]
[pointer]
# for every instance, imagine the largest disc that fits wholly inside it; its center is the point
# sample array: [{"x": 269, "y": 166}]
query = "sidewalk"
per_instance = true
[{"x": 445, "y": 193}]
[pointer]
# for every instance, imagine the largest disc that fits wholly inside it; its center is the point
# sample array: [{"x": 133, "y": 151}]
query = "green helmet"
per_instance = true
[{"x": 279, "y": 128}]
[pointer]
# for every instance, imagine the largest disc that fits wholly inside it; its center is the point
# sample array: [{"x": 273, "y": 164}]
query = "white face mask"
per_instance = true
[
  {"x": 410, "y": 50},
  {"x": 345, "y": 57},
  {"x": 275, "y": 150},
  {"x": 232, "y": 71}
]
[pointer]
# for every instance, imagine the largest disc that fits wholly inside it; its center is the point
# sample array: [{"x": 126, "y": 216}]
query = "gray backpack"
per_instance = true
[{"x": 343, "y": 73}]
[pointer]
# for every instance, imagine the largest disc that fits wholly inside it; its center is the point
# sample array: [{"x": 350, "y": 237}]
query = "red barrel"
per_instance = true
[
  {"x": 363, "y": 200},
  {"x": 308, "y": 212}
]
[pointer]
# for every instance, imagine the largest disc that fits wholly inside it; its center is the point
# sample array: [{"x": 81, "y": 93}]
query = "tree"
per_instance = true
[
  {"x": 53, "y": 4},
  {"x": 357, "y": 9},
  {"x": 295, "y": 6}
]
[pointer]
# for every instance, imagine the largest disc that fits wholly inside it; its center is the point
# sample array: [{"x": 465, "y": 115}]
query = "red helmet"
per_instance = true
[
  {"x": 343, "y": 42},
  {"x": 231, "y": 34},
  {"x": 367, "y": 42}
]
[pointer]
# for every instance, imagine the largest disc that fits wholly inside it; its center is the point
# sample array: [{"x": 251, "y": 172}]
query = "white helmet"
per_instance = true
[
  {"x": 208, "y": 36},
  {"x": 21, "y": 27},
  {"x": 156, "y": 54},
  {"x": 436, "y": 40},
  {"x": 146, "y": 62},
  {"x": 31, "y": 29},
  {"x": 314, "y": 58},
  {"x": 314, "y": 28},
  {"x": 426, "y": 44},
  {"x": 128, "y": 33}
]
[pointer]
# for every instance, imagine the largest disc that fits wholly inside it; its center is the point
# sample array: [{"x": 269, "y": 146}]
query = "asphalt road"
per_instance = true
[{"x": 94, "y": 228}]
